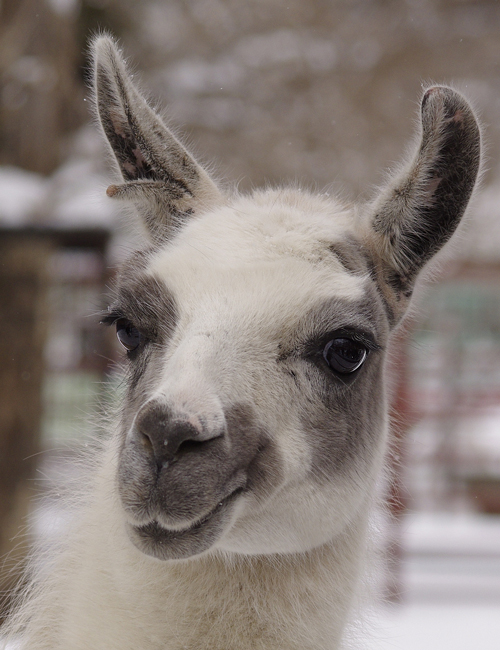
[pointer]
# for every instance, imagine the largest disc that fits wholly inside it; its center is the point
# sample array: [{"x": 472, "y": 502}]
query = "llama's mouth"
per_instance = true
[{"x": 167, "y": 544}]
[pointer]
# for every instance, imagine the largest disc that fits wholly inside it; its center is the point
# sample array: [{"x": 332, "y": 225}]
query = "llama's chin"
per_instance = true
[{"x": 162, "y": 543}]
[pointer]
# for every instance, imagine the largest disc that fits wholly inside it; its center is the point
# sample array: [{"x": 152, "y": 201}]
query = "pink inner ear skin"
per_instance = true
[
  {"x": 458, "y": 117},
  {"x": 139, "y": 157},
  {"x": 130, "y": 168},
  {"x": 430, "y": 189}
]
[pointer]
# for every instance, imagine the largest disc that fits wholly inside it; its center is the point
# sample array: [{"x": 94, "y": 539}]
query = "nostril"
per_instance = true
[
  {"x": 146, "y": 441},
  {"x": 191, "y": 445},
  {"x": 165, "y": 438}
]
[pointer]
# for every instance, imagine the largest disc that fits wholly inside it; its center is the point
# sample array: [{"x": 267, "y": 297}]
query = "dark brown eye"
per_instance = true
[
  {"x": 128, "y": 335},
  {"x": 344, "y": 355}
]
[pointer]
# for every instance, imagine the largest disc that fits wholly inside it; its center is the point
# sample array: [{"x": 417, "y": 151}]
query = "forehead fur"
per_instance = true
[
  {"x": 280, "y": 240},
  {"x": 278, "y": 223}
]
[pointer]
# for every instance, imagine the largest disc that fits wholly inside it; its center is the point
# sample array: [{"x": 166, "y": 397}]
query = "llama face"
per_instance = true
[
  {"x": 256, "y": 329},
  {"x": 233, "y": 414}
]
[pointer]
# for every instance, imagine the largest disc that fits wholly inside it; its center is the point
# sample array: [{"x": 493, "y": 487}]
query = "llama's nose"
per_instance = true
[{"x": 167, "y": 435}]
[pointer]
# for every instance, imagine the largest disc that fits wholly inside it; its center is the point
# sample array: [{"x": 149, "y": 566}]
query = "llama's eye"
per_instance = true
[
  {"x": 344, "y": 355},
  {"x": 128, "y": 335}
]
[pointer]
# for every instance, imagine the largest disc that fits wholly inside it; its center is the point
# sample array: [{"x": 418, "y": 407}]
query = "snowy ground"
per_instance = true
[
  {"x": 451, "y": 586},
  {"x": 438, "y": 626}
]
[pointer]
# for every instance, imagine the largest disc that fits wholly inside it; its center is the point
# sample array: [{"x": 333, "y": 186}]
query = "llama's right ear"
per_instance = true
[
  {"x": 161, "y": 178},
  {"x": 419, "y": 210}
]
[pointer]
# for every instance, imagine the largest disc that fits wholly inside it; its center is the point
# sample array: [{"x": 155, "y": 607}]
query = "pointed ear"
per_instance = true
[
  {"x": 161, "y": 178},
  {"x": 418, "y": 211}
]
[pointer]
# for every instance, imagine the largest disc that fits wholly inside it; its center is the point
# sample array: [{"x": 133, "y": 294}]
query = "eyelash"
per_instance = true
[
  {"x": 110, "y": 317},
  {"x": 129, "y": 336},
  {"x": 317, "y": 343}
]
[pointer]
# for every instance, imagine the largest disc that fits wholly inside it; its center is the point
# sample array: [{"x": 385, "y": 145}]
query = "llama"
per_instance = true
[{"x": 229, "y": 506}]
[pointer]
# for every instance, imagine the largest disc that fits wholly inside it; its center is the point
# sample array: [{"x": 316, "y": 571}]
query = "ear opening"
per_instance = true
[
  {"x": 161, "y": 178},
  {"x": 421, "y": 207}
]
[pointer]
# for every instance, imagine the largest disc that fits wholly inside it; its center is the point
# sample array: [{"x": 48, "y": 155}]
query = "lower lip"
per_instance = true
[{"x": 163, "y": 543}]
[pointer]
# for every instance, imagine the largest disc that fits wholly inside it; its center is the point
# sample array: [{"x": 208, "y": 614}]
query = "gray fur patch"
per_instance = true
[
  {"x": 199, "y": 483},
  {"x": 144, "y": 300},
  {"x": 342, "y": 415}
]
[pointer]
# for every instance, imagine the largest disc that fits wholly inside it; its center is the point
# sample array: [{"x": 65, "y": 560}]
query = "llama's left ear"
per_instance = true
[
  {"x": 418, "y": 211},
  {"x": 161, "y": 178}
]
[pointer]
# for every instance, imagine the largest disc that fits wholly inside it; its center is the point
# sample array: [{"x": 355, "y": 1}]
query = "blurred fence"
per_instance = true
[
  {"x": 454, "y": 391},
  {"x": 77, "y": 351}
]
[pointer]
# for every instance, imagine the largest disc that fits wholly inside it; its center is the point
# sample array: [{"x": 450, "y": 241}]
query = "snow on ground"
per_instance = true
[
  {"x": 451, "y": 557},
  {"x": 451, "y": 533},
  {"x": 450, "y": 580},
  {"x": 442, "y": 626}
]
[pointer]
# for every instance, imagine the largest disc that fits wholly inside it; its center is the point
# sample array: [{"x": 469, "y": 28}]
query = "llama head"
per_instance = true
[{"x": 256, "y": 329}]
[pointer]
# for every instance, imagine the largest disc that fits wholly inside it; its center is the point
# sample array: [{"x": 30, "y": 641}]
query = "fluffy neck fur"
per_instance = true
[{"x": 105, "y": 595}]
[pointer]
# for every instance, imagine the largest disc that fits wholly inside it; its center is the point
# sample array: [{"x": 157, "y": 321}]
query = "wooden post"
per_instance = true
[{"x": 23, "y": 264}]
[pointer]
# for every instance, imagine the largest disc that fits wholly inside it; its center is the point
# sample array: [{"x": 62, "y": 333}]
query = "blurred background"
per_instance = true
[{"x": 324, "y": 92}]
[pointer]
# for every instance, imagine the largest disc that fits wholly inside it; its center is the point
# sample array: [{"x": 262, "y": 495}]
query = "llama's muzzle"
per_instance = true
[{"x": 167, "y": 435}]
